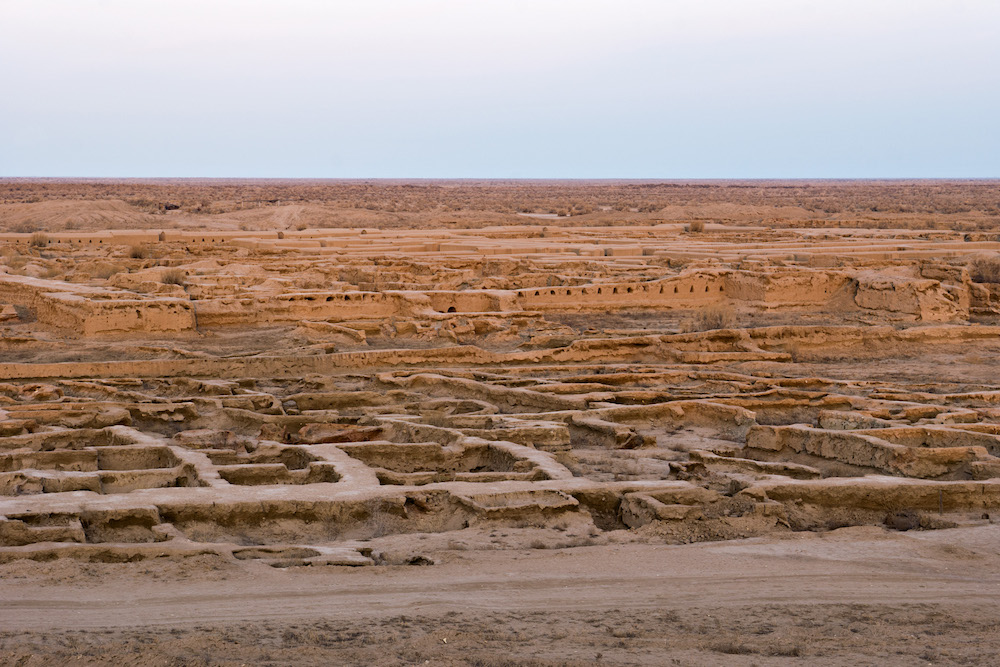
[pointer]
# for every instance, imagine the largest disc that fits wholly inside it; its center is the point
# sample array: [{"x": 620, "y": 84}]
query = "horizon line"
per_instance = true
[{"x": 610, "y": 179}]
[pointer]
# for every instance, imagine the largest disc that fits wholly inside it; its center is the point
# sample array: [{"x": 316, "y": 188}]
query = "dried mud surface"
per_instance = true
[{"x": 608, "y": 438}]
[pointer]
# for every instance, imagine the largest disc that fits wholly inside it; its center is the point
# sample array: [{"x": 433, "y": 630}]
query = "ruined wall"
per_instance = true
[
  {"x": 689, "y": 290},
  {"x": 306, "y": 306},
  {"x": 918, "y": 298},
  {"x": 786, "y": 288},
  {"x": 92, "y": 310},
  {"x": 473, "y": 301},
  {"x": 920, "y": 291}
]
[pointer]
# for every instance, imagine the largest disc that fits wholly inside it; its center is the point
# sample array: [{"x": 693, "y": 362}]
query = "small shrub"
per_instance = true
[
  {"x": 144, "y": 204},
  {"x": 985, "y": 270},
  {"x": 105, "y": 271},
  {"x": 139, "y": 252},
  {"x": 39, "y": 240},
  {"x": 793, "y": 651},
  {"x": 696, "y": 226},
  {"x": 710, "y": 317},
  {"x": 624, "y": 633},
  {"x": 12, "y": 257},
  {"x": 172, "y": 277},
  {"x": 379, "y": 522},
  {"x": 733, "y": 648}
]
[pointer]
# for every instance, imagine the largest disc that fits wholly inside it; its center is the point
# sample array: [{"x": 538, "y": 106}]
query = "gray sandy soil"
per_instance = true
[{"x": 847, "y": 597}]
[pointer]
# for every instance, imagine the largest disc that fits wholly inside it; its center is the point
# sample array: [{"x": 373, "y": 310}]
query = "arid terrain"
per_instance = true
[{"x": 498, "y": 423}]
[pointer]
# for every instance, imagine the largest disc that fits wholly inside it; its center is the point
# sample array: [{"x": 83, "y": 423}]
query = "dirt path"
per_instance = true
[{"x": 855, "y": 595}]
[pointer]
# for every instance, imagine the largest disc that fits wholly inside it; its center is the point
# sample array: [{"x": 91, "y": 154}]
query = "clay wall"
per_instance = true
[
  {"x": 690, "y": 290},
  {"x": 92, "y": 311},
  {"x": 303, "y": 306},
  {"x": 472, "y": 301},
  {"x": 923, "y": 299},
  {"x": 786, "y": 288}
]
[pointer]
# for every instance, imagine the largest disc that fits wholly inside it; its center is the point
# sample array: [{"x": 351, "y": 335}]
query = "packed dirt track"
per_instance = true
[
  {"x": 654, "y": 422},
  {"x": 843, "y": 597}
]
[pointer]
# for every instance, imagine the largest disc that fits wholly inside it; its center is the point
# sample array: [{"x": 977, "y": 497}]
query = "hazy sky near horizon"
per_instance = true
[{"x": 513, "y": 89}]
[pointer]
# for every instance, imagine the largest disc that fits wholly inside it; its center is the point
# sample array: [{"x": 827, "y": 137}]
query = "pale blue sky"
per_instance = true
[{"x": 520, "y": 88}]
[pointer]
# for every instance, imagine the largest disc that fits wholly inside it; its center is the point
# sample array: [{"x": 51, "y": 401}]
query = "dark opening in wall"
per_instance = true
[{"x": 451, "y": 309}]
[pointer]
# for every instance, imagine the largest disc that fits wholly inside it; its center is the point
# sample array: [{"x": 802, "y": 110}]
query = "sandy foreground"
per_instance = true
[{"x": 850, "y": 596}]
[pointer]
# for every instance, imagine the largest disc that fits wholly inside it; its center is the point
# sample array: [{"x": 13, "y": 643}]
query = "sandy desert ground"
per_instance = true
[{"x": 538, "y": 423}]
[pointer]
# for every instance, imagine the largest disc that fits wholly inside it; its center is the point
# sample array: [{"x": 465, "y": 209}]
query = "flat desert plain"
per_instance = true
[{"x": 499, "y": 423}]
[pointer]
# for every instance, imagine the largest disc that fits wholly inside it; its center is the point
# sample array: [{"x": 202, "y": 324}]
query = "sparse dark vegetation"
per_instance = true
[
  {"x": 985, "y": 270},
  {"x": 946, "y": 205},
  {"x": 173, "y": 277},
  {"x": 711, "y": 317},
  {"x": 105, "y": 271},
  {"x": 24, "y": 228}
]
